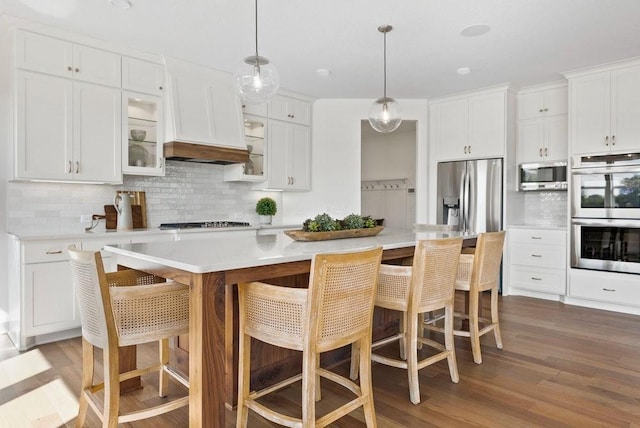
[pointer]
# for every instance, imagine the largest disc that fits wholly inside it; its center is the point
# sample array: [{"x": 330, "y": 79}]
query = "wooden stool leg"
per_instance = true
[
  {"x": 163, "y": 381},
  {"x": 309, "y": 388},
  {"x": 244, "y": 371},
  {"x": 365, "y": 382},
  {"x": 494, "y": 317},
  {"x": 449, "y": 343},
  {"x": 412, "y": 359},
  {"x": 111, "y": 387},
  {"x": 474, "y": 331},
  {"x": 318, "y": 389},
  {"x": 87, "y": 380},
  {"x": 355, "y": 357},
  {"x": 403, "y": 338}
]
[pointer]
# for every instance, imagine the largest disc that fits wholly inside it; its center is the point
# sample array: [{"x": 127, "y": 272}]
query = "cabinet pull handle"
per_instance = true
[
  {"x": 69, "y": 169},
  {"x": 608, "y": 289},
  {"x": 292, "y": 180},
  {"x": 54, "y": 252},
  {"x": 536, "y": 237},
  {"x": 469, "y": 149},
  {"x": 536, "y": 279},
  {"x": 606, "y": 141},
  {"x": 540, "y": 152},
  {"x": 545, "y": 151},
  {"x": 160, "y": 162},
  {"x": 613, "y": 140},
  {"x": 77, "y": 167},
  {"x": 536, "y": 255}
]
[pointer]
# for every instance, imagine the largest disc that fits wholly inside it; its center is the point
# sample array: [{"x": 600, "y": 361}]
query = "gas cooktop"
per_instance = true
[{"x": 204, "y": 224}]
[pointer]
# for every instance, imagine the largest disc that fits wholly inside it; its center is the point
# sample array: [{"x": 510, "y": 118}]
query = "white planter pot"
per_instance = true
[{"x": 265, "y": 219}]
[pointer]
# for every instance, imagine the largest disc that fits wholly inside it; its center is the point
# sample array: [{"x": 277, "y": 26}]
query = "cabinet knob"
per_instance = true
[
  {"x": 77, "y": 70},
  {"x": 546, "y": 109},
  {"x": 70, "y": 68},
  {"x": 244, "y": 106},
  {"x": 160, "y": 88},
  {"x": 541, "y": 110}
]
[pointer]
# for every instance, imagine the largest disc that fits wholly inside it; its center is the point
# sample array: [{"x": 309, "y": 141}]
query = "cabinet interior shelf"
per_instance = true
[{"x": 142, "y": 119}]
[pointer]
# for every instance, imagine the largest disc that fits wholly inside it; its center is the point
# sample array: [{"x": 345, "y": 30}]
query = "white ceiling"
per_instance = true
[{"x": 531, "y": 41}]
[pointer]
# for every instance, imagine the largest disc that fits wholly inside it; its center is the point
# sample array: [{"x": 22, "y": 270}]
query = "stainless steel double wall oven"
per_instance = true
[{"x": 605, "y": 212}]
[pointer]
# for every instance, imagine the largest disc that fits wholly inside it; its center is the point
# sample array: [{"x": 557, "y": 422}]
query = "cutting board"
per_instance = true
[{"x": 112, "y": 217}]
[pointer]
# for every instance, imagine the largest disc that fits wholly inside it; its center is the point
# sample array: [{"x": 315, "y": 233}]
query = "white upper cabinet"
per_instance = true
[
  {"x": 203, "y": 106},
  {"x": 288, "y": 156},
  {"x": 68, "y": 112},
  {"x": 65, "y": 59},
  {"x": 470, "y": 126},
  {"x": 605, "y": 110},
  {"x": 142, "y": 76},
  {"x": 535, "y": 103},
  {"x": 290, "y": 110},
  {"x": 543, "y": 123}
]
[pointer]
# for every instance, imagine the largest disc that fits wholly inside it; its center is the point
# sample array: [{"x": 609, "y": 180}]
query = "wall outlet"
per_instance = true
[{"x": 85, "y": 219}]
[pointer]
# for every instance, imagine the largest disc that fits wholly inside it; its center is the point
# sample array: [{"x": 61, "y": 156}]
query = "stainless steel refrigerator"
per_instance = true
[{"x": 470, "y": 194}]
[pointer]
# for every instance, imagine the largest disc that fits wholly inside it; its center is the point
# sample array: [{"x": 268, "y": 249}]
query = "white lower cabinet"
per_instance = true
[
  {"x": 604, "y": 288},
  {"x": 42, "y": 299},
  {"x": 537, "y": 260}
]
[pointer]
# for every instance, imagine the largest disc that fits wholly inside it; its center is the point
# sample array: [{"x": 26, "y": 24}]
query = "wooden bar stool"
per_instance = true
[
  {"x": 122, "y": 309},
  {"x": 336, "y": 310},
  {"x": 479, "y": 271},
  {"x": 426, "y": 286}
]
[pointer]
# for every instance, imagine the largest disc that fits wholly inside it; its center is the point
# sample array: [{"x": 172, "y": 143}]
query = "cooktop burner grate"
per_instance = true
[{"x": 204, "y": 224}]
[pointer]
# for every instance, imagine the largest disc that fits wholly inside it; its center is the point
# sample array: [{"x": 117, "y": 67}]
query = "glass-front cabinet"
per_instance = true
[
  {"x": 255, "y": 135},
  {"x": 142, "y": 151}
]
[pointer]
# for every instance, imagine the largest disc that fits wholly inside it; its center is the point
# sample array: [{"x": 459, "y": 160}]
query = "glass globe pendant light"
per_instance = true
[
  {"x": 256, "y": 79},
  {"x": 384, "y": 113}
]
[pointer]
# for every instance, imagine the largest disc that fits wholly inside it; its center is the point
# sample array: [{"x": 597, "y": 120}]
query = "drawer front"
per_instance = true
[
  {"x": 47, "y": 251},
  {"x": 605, "y": 287},
  {"x": 538, "y": 255},
  {"x": 538, "y": 236},
  {"x": 541, "y": 280}
]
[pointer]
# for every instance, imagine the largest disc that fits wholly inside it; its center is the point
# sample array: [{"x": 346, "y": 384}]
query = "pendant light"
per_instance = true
[
  {"x": 384, "y": 113},
  {"x": 256, "y": 79}
]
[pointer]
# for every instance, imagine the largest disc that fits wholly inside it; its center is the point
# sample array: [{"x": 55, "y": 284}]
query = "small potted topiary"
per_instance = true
[{"x": 266, "y": 208}]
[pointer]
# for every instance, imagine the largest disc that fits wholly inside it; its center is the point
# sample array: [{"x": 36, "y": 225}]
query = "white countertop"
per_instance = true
[{"x": 212, "y": 254}]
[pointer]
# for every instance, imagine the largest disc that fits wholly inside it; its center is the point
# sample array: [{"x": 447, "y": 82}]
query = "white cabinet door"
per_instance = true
[
  {"x": 97, "y": 133},
  {"x": 44, "y": 127},
  {"x": 300, "y": 155},
  {"x": 288, "y": 156},
  {"x": 544, "y": 102},
  {"x": 50, "y": 301},
  {"x": 142, "y": 112},
  {"x": 543, "y": 139},
  {"x": 227, "y": 126},
  {"x": 96, "y": 66},
  {"x": 625, "y": 109},
  {"x": 450, "y": 121},
  {"x": 290, "y": 110},
  {"x": 487, "y": 125},
  {"x": 43, "y": 54},
  {"x": 590, "y": 113},
  {"x": 277, "y": 172},
  {"x": 142, "y": 76}
]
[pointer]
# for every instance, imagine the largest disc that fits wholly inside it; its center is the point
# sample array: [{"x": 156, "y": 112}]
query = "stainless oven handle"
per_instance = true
[
  {"x": 606, "y": 170},
  {"x": 605, "y": 222}
]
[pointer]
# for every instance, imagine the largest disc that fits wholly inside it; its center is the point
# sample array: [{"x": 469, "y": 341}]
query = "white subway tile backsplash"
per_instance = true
[
  {"x": 545, "y": 208},
  {"x": 188, "y": 192}
]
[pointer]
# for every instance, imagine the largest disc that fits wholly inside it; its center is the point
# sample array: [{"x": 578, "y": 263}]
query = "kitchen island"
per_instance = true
[{"x": 212, "y": 267}]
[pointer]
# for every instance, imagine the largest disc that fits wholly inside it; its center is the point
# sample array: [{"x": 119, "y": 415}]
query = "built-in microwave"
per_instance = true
[{"x": 543, "y": 176}]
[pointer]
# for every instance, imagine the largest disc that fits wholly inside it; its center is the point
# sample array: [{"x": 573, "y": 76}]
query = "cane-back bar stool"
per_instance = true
[
  {"x": 426, "y": 286},
  {"x": 121, "y": 309},
  {"x": 479, "y": 271},
  {"x": 336, "y": 310}
]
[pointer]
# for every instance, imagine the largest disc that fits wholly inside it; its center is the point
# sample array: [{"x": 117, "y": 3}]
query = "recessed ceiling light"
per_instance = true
[
  {"x": 120, "y": 4},
  {"x": 323, "y": 72},
  {"x": 463, "y": 70},
  {"x": 475, "y": 30}
]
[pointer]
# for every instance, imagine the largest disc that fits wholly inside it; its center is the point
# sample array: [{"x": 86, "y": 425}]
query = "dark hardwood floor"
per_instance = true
[{"x": 561, "y": 366}]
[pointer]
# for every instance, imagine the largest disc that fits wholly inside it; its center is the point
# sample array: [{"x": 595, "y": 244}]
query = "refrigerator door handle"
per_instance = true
[{"x": 461, "y": 209}]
